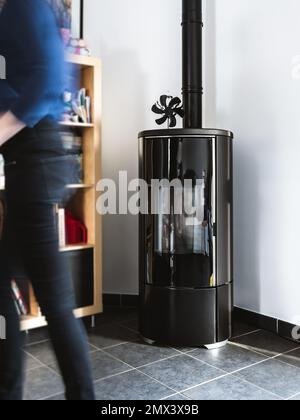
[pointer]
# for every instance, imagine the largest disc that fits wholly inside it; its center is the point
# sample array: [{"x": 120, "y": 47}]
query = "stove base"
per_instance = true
[{"x": 186, "y": 317}]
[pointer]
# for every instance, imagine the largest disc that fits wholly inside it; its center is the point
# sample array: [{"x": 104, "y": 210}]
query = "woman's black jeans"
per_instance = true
[{"x": 37, "y": 171}]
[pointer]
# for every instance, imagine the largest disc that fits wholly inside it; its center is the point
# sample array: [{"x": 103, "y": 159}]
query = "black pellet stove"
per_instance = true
[{"x": 186, "y": 263}]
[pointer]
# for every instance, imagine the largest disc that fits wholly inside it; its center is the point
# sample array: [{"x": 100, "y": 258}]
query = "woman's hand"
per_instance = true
[{"x": 9, "y": 127}]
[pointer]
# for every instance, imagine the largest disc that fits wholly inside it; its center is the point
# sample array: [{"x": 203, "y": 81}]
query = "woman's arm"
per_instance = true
[
  {"x": 9, "y": 127},
  {"x": 34, "y": 33}
]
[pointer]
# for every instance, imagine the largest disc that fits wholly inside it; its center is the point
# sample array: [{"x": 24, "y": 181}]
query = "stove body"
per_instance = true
[
  {"x": 186, "y": 263},
  {"x": 186, "y": 258}
]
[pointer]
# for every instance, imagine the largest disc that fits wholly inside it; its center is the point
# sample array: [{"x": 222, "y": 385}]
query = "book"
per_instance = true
[
  {"x": 18, "y": 298},
  {"x": 88, "y": 109},
  {"x": 61, "y": 227},
  {"x": 17, "y": 308}
]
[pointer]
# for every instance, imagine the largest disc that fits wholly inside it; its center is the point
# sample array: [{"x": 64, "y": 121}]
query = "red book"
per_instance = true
[{"x": 76, "y": 231}]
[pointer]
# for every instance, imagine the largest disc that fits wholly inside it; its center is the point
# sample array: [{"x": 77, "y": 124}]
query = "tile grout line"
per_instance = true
[
  {"x": 159, "y": 382},
  {"x": 44, "y": 365},
  {"x": 249, "y": 348},
  {"x": 158, "y": 361},
  {"x": 255, "y": 364},
  {"x": 97, "y": 381},
  {"x": 275, "y": 357},
  {"x": 36, "y": 343},
  {"x": 245, "y": 335},
  {"x": 171, "y": 357},
  {"x": 114, "y": 345},
  {"x": 27, "y": 371},
  {"x": 267, "y": 358},
  {"x": 242, "y": 379},
  {"x": 293, "y": 396},
  {"x": 285, "y": 363},
  {"x": 205, "y": 383},
  {"x": 174, "y": 395},
  {"x": 131, "y": 368},
  {"x": 225, "y": 374},
  {"x": 233, "y": 374},
  {"x": 136, "y": 369},
  {"x": 240, "y": 346},
  {"x": 236, "y": 377}
]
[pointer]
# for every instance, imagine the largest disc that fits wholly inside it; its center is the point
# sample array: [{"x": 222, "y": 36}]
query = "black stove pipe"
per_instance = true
[{"x": 192, "y": 90}]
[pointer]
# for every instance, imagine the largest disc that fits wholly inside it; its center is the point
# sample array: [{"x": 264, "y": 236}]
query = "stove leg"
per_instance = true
[
  {"x": 216, "y": 346},
  {"x": 148, "y": 341}
]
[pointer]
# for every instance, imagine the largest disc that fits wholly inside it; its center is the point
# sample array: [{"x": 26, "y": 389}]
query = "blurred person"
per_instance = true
[{"x": 36, "y": 171}]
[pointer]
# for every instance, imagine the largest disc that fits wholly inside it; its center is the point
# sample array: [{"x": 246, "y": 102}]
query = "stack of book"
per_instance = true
[
  {"x": 72, "y": 142},
  {"x": 77, "y": 107},
  {"x": 20, "y": 303}
]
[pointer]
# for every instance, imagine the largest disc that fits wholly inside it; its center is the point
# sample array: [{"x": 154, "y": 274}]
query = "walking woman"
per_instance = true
[{"x": 36, "y": 171}]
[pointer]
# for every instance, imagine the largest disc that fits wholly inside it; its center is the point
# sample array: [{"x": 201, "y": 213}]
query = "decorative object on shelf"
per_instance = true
[
  {"x": 170, "y": 108},
  {"x": 76, "y": 43},
  {"x": 78, "y": 46}
]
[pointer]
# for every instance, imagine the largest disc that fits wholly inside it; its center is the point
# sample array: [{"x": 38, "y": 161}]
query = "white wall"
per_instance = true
[
  {"x": 260, "y": 101},
  {"x": 139, "y": 44}
]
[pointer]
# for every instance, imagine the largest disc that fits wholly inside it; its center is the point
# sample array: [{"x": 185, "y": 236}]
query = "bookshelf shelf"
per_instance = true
[
  {"x": 79, "y": 247},
  {"x": 76, "y": 125},
  {"x": 83, "y": 203},
  {"x": 80, "y": 186}
]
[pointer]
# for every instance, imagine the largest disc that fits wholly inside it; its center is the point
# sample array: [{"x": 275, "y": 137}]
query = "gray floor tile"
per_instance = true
[
  {"x": 274, "y": 376},
  {"x": 42, "y": 383},
  {"x": 139, "y": 354},
  {"x": 181, "y": 372},
  {"x": 110, "y": 335},
  {"x": 296, "y": 398},
  {"x": 265, "y": 343},
  {"x": 30, "y": 362},
  {"x": 103, "y": 365},
  {"x": 36, "y": 336},
  {"x": 116, "y": 315},
  {"x": 130, "y": 386},
  {"x": 43, "y": 352},
  {"x": 132, "y": 325},
  {"x": 292, "y": 358},
  {"x": 241, "y": 328},
  {"x": 229, "y": 388},
  {"x": 229, "y": 358}
]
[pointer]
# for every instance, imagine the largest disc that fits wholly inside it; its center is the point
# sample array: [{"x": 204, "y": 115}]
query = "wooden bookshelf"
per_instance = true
[{"x": 83, "y": 202}]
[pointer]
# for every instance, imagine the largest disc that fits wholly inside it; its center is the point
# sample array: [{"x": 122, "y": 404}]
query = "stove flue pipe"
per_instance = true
[{"x": 192, "y": 89}]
